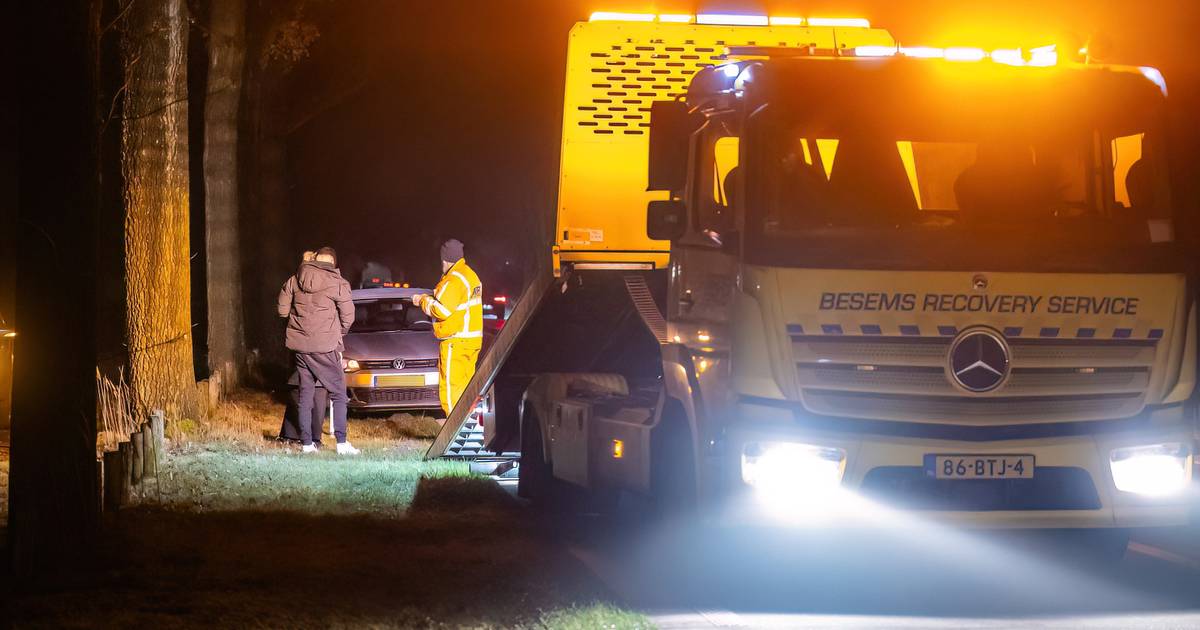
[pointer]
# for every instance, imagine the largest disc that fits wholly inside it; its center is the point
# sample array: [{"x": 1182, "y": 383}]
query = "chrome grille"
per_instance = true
[
  {"x": 933, "y": 381},
  {"x": 386, "y": 364},
  {"x": 931, "y": 352},
  {"x": 396, "y": 395},
  {"x": 952, "y": 409},
  {"x": 904, "y": 379}
]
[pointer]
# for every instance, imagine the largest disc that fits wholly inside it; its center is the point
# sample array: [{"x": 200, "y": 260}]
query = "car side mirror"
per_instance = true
[
  {"x": 666, "y": 219},
  {"x": 672, "y": 124}
]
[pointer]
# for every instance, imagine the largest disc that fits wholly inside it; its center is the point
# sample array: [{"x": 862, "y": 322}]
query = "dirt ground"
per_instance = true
[{"x": 240, "y": 531}]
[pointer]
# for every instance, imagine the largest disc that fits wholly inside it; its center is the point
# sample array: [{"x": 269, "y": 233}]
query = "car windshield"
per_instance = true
[
  {"x": 924, "y": 186},
  {"x": 388, "y": 315}
]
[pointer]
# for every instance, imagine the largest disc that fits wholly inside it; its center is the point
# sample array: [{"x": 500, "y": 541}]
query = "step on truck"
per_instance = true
[{"x": 802, "y": 273}]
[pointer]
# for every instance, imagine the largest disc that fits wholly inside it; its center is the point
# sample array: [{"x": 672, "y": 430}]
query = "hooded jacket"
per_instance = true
[{"x": 318, "y": 306}]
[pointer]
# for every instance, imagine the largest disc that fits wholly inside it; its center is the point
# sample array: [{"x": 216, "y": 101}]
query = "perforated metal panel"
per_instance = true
[
  {"x": 615, "y": 70},
  {"x": 630, "y": 75}
]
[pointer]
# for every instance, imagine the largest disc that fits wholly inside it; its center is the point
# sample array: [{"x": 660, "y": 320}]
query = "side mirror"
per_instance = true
[
  {"x": 666, "y": 220},
  {"x": 671, "y": 127}
]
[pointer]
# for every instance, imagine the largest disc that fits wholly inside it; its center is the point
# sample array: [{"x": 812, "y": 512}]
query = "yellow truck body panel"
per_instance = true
[{"x": 615, "y": 70}]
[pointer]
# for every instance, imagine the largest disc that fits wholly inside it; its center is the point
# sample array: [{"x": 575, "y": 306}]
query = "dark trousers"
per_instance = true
[
  {"x": 290, "y": 430},
  {"x": 325, "y": 368}
]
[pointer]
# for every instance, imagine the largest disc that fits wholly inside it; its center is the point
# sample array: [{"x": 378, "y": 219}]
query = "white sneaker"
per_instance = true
[
  {"x": 309, "y": 448},
  {"x": 346, "y": 448}
]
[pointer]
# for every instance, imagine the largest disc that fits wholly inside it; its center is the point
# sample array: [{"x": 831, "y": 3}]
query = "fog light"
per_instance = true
[
  {"x": 1151, "y": 470},
  {"x": 788, "y": 470}
]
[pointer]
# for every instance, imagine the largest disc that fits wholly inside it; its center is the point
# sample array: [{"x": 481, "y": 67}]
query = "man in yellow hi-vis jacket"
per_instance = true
[{"x": 456, "y": 307}]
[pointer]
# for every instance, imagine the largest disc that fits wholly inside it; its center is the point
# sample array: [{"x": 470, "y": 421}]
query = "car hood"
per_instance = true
[{"x": 391, "y": 345}]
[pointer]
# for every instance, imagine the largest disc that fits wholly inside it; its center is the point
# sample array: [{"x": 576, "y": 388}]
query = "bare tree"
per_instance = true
[
  {"x": 280, "y": 34},
  {"x": 154, "y": 153},
  {"x": 53, "y": 493},
  {"x": 226, "y": 57}
]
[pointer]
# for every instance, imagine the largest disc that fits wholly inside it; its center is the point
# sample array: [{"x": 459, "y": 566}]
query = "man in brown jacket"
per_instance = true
[
  {"x": 320, "y": 312},
  {"x": 289, "y": 430}
]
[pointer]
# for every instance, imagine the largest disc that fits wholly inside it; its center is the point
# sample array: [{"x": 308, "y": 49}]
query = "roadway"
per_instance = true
[{"x": 917, "y": 576}]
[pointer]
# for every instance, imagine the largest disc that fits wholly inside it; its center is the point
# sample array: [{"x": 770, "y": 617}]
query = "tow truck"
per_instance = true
[{"x": 804, "y": 273}]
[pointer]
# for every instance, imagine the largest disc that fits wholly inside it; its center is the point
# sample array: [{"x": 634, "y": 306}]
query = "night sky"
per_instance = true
[{"x": 442, "y": 118}]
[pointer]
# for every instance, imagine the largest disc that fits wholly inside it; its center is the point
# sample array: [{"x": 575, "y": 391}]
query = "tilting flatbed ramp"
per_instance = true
[{"x": 522, "y": 314}]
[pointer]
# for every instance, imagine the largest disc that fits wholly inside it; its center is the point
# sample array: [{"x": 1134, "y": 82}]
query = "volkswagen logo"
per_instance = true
[
  {"x": 979, "y": 360},
  {"x": 398, "y": 364}
]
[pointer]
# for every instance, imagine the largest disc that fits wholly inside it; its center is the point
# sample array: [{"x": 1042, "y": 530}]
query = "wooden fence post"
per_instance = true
[
  {"x": 100, "y": 481},
  {"x": 158, "y": 425},
  {"x": 149, "y": 453},
  {"x": 126, "y": 450},
  {"x": 138, "y": 458},
  {"x": 114, "y": 476}
]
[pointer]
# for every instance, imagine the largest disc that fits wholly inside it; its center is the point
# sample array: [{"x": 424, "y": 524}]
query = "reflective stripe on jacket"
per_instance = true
[{"x": 457, "y": 304}]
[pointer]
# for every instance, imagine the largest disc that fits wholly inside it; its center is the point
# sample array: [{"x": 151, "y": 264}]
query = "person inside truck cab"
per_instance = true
[
  {"x": 804, "y": 200},
  {"x": 869, "y": 185},
  {"x": 1004, "y": 185},
  {"x": 1141, "y": 181}
]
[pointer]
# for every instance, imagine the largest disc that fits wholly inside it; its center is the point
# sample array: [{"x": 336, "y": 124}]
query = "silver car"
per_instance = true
[{"x": 391, "y": 357}]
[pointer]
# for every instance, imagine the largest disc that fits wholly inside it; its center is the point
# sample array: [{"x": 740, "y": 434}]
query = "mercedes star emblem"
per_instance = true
[{"x": 979, "y": 360}]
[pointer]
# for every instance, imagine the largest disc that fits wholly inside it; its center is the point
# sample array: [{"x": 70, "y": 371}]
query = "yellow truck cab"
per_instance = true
[{"x": 804, "y": 274}]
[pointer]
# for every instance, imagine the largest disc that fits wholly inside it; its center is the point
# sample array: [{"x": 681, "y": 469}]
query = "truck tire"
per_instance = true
[
  {"x": 672, "y": 468},
  {"x": 536, "y": 477}
]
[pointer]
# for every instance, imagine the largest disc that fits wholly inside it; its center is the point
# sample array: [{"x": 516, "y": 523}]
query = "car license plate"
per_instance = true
[
  {"x": 400, "y": 380},
  {"x": 981, "y": 466}
]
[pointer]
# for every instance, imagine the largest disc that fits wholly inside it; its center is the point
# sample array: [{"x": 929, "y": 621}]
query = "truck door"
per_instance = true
[{"x": 704, "y": 263}]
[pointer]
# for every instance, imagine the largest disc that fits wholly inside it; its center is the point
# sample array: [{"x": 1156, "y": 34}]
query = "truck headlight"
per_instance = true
[
  {"x": 350, "y": 365},
  {"x": 1151, "y": 470},
  {"x": 790, "y": 470}
]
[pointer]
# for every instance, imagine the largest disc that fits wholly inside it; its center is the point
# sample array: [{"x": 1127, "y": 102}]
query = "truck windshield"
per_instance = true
[
  {"x": 898, "y": 189},
  {"x": 388, "y": 316}
]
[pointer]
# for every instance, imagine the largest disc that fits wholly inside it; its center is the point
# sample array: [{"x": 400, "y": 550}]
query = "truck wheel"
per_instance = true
[
  {"x": 672, "y": 470},
  {"x": 536, "y": 478}
]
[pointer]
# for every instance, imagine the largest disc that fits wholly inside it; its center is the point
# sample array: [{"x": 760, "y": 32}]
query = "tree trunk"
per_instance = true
[
  {"x": 226, "y": 55},
  {"x": 154, "y": 155},
  {"x": 53, "y": 493}
]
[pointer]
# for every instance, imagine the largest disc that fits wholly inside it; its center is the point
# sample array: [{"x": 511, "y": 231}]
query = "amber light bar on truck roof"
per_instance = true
[
  {"x": 728, "y": 19},
  {"x": 1041, "y": 56}
]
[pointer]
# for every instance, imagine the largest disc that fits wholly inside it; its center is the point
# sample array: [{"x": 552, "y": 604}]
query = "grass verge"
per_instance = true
[
  {"x": 215, "y": 477},
  {"x": 595, "y": 616},
  {"x": 242, "y": 531}
]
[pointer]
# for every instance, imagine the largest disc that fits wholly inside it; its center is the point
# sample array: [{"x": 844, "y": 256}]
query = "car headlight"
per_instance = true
[
  {"x": 789, "y": 470},
  {"x": 1151, "y": 470},
  {"x": 350, "y": 365}
]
